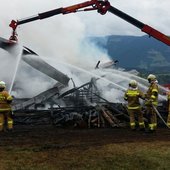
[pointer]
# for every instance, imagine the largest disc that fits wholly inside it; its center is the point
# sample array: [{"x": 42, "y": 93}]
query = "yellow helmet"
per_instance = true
[
  {"x": 133, "y": 83},
  {"x": 151, "y": 77},
  {"x": 2, "y": 84}
]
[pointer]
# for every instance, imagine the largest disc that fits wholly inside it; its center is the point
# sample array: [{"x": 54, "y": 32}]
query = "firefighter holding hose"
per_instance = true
[
  {"x": 132, "y": 96},
  {"x": 152, "y": 102},
  {"x": 168, "y": 118},
  {"x": 6, "y": 121}
]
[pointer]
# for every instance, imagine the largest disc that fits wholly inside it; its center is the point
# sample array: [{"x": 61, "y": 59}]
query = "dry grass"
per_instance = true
[
  {"x": 109, "y": 149},
  {"x": 124, "y": 156}
]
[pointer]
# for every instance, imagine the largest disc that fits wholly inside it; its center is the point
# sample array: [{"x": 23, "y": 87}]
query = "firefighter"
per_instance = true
[
  {"x": 152, "y": 100},
  {"x": 168, "y": 119},
  {"x": 132, "y": 96},
  {"x": 6, "y": 121}
]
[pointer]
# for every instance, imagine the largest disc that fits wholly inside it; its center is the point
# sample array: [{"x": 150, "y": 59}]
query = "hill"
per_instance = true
[{"x": 136, "y": 52}]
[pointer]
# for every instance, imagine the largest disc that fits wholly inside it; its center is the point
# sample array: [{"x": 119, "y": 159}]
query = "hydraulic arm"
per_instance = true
[
  {"x": 102, "y": 6},
  {"x": 145, "y": 28}
]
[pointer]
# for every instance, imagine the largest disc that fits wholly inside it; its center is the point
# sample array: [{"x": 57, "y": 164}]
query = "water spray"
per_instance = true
[
  {"x": 118, "y": 87},
  {"x": 19, "y": 56}
]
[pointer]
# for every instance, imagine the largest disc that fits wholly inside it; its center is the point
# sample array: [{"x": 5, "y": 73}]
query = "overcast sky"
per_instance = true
[
  {"x": 152, "y": 12},
  {"x": 62, "y": 37},
  {"x": 52, "y": 36}
]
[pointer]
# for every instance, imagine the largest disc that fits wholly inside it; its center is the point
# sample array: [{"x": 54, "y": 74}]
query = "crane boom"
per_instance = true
[
  {"x": 102, "y": 6},
  {"x": 57, "y": 11},
  {"x": 145, "y": 28}
]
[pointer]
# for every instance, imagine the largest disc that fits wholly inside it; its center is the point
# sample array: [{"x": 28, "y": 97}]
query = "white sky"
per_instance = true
[
  {"x": 60, "y": 37},
  {"x": 152, "y": 12}
]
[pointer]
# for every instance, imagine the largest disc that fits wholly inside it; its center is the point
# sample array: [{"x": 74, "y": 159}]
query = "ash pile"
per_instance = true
[{"x": 81, "y": 107}]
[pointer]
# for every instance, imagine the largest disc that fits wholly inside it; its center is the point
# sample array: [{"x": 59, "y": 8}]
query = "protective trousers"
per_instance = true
[
  {"x": 152, "y": 118},
  {"x": 132, "y": 113},
  {"x": 6, "y": 121},
  {"x": 168, "y": 119}
]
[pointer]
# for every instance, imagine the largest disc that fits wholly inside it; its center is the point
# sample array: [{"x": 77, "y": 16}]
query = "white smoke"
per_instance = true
[
  {"x": 30, "y": 82},
  {"x": 60, "y": 38},
  {"x": 150, "y": 12},
  {"x": 7, "y": 66}
]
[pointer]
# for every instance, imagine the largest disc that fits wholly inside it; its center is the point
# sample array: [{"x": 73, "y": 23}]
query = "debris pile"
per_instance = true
[
  {"x": 98, "y": 116},
  {"x": 78, "y": 107}
]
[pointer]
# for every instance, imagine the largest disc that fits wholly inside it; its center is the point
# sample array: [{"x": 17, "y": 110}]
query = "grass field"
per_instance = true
[{"x": 104, "y": 149}]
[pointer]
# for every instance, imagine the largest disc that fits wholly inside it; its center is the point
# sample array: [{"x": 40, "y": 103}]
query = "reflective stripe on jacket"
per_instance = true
[
  {"x": 4, "y": 99},
  {"x": 132, "y": 96},
  {"x": 168, "y": 95},
  {"x": 152, "y": 94}
]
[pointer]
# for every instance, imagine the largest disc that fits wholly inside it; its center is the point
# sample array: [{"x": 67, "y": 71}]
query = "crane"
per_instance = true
[{"x": 102, "y": 7}]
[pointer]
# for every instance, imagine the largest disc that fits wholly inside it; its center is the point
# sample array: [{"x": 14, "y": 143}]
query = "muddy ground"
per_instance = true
[
  {"x": 49, "y": 147},
  {"x": 51, "y": 136}
]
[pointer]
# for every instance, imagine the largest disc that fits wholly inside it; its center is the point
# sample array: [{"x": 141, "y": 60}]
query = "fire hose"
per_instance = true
[{"x": 159, "y": 115}]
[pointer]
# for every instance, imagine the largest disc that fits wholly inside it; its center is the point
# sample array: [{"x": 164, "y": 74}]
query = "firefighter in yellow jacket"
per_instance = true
[
  {"x": 132, "y": 96},
  {"x": 152, "y": 100},
  {"x": 168, "y": 119},
  {"x": 6, "y": 121}
]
